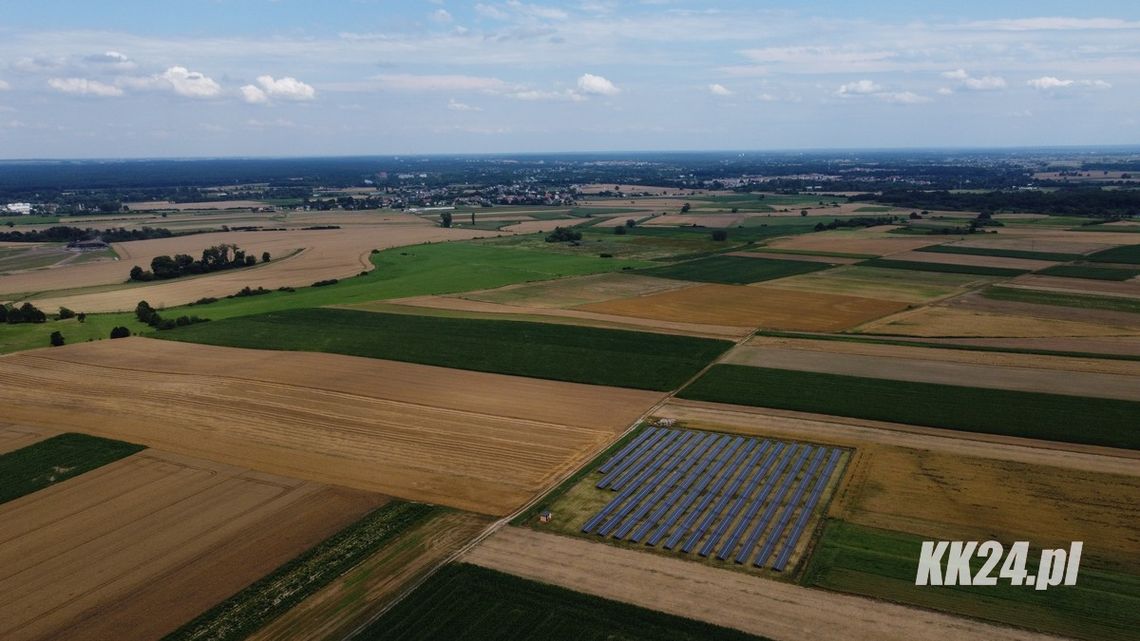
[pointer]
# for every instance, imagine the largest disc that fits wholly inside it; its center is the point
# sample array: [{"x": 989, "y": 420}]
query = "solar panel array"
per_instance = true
[{"x": 739, "y": 498}]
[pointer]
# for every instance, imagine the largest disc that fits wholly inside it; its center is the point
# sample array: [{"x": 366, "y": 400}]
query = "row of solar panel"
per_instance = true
[{"x": 663, "y": 475}]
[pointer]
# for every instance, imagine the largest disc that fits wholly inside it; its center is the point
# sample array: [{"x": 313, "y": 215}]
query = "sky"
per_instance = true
[{"x": 188, "y": 78}]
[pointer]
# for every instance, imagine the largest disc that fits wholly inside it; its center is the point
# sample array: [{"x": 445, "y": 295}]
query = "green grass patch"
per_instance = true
[
  {"x": 943, "y": 267},
  {"x": 28, "y": 220},
  {"x": 1002, "y": 253},
  {"x": 1088, "y": 271},
  {"x": 807, "y": 252},
  {"x": 54, "y": 460},
  {"x": 470, "y": 603},
  {"x": 540, "y": 350},
  {"x": 883, "y": 563},
  {"x": 14, "y": 338},
  {"x": 1128, "y": 254},
  {"x": 873, "y": 208},
  {"x": 734, "y": 269},
  {"x": 245, "y": 612},
  {"x": 1083, "y": 301},
  {"x": 1055, "y": 417}
]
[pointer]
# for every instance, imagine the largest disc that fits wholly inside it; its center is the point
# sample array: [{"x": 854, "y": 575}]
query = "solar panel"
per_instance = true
[
  {"x": 630, "y": 489},
  {"x": 809, "y": 508},
  {"x": 637, "y": 492},
  {"x": 633, "y": 464},
  {"x": 629, "y": 447},
  {"x": 728, "y": 463},
  {"x": 753, "y": 507},
  {"x": 760, "y": 500},
  {"x": 691, "y": 470},
  {"x": 789, "y": 509},
  {"x": 709, "y": 471},
  {"x": 738, "y": 473},
  {"x": 753, "y": 477}
]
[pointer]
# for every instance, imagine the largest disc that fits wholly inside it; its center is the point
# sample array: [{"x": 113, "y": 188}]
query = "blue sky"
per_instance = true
[{"x": 291, "y": 77}]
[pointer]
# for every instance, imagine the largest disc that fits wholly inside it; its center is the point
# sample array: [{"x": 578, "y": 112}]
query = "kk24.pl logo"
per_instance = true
[{"x": 948, "y": 563}]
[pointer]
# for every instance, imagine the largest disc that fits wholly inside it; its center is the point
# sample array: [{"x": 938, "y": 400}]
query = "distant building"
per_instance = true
[
  {"x": 87, "y": 245},
  {"x": 545, "y": 517},
  {"x": 22, "y": 209}
]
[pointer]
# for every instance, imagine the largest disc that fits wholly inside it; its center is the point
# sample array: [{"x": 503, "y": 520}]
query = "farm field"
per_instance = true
[
  {"x": 1106, "y": 346},
  {"x": 889, "y": 284},
  {"x": 957, "y": 322},
  {"x": 810, "y": 258},
  {"x": 959, "y": 267},
  {"x": 485, "y": 604},
  {"x": 413, "y": 431},
  {"x": 558, "y": 352},
  {"x": 55, "y": 460},
  {"x": 14, "y": 437},
  {"x": 855, "y": 242},
  {"x": 366, "y": 589},
  {"x": 205, "y": 531},
  {"x": 1122, "y": 383},
  {"x": 1078, "y": 285},
  {"x": 568, "y": 292},
  {"x": 1092, "y": 272},
  {"x": 734, "y": 269},
  {"x": 769, "y": 609},
  {"x": 1080, "y": 301},
  {"x": 1064, "y": 418},
  {"x": 942, "y": 258},
  {"x": 752, "y": 306},
  {"x": 971, "y": 250},
  {"x": 1128, "y": 254},
  {"x": 1098, "y": 314}
]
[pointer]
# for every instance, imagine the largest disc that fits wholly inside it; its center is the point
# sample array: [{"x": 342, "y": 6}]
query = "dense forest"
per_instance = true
[{"x": 1091, "y": 202}]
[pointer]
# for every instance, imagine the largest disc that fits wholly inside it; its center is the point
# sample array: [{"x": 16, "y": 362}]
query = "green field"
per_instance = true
[
  {"x": 469, "y": 603},
  {"x": 1083, "y": 301},
  {"x": 1128, "y": 254},
  {"x": 1002, "y": 253},
  {"x": 1055, "y": 417},
  {"x": 883, "y": 563},
  {"x": 737, "y": 270},
  {"x": 243, "y": 613},
  {"x": 1088, "y": 271},
  {"x": 55, "y": 460},
  {"x": 943, "y": 267},
  {"x": 540, "y": 350}
]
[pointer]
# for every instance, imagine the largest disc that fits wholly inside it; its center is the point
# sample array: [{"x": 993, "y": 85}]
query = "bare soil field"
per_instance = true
[
  {"x": 368, "y": 588},
  {"x": 151, "y": 205},
  {"x": 1092, "y": 345},
  {"x": 14, "y": 437},
  {"x": 974, "y": 301},
  {"x": 422, "y": 433},
  {"x": 973, "y": 261},
  {"x": 855, "y": 242},
  {"x": 147, "y": 543},
  {"x": 568, "y": 292},
  {"x": 751, "y": 306},
  {"x": 1051, "y": 381},
  {"x": 1129, "y": 288},
  {"x": 479, "y": 309},
  {"x": 772, "y": 609},
  {"x": 536, "y": 226},
  {"x": 325, "y": 254},
  {"x": 830, "y": 260},
  {"x": 999, "y": 359},
  {"x": 905, "y": 285},
  {"x": 963, "y": 323},
  {"x": 1003, "y": 240},
  {"x": 708, "y": 220}
]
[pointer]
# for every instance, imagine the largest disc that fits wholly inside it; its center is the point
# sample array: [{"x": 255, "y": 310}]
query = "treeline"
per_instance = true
[
  {"x": 216, "y": 258},
  {"x": 62, "y": 234},
  {"x": 1091, "y": 202},
  {"x": 859, "y": 221},
  {"x": 147, "y": 314},
  {"x": 26, "y": 313}
]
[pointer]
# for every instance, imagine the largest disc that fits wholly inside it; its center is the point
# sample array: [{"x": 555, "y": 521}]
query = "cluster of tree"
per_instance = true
[
  {"x": 563, "y": 235},
  {"x": 26, "y": 313},
  {"x": 859, "y": 221},
  {"x": 445, "y": 219},
  {"x": 147, "y": 314},
  {"x": 326, "y": 282},
  {"x": 720, "y": 235},
  {"x": 120, "y": 332},
  {"x": 216, "y": 258},
  {"x": 62, "y": 234},
  {"x": 1080, "y": 201}
]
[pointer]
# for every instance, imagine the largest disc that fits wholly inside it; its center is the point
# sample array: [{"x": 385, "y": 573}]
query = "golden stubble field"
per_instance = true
[
  {"x": 481, "y": 442},
  {"x": 149, "y": 542}
]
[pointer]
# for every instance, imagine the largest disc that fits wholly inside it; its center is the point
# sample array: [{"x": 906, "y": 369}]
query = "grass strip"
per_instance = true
[{"x": 54, "y": 460}]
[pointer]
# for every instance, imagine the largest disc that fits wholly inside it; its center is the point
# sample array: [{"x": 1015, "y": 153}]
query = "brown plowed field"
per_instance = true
[
  {"x": 897, "y": 367},
  {"x": 369, "y": 587},
  {"x": 535, "y": 226},
  {"x": 335, "y": 253},
  {"x": 855, "y": 242},
  {"x": 933, "y": 322},
  {"x": 768, "y": 608},
  {"x": 973, "y": 261},
  {"x": 418, "y": 432},
  {"x": 567, "y": 292},
  {"x": 149, "y": 542},
  {"x": 1129, "y": 288},
  {"x": 1095, "y": 345},
  {"x": 14, "y": 437},
  {"x": 745, "y": 306}
]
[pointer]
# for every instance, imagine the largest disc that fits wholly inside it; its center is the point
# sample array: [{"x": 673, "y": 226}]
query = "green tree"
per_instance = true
[
  {"x": 65, "y": 313},
  {"x": 803, "y": 212},
  {"x": 620, "y": 230},
  {"x": 56, "y": 339},
  {"x": 719, "y": 235},
  {"x": 563, "y": 235},
  {"x": 685, "y": 208},
  {"x": 265, "y": 257},
  {"x": 445, "y": 219}
]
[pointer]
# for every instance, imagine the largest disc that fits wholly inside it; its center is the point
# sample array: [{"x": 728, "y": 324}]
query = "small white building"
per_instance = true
[{"x": 24, "y": 209}]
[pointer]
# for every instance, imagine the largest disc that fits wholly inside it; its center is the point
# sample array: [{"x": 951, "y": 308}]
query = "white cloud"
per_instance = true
[
  {"x": 538, "y": 94},
  {"x": 441, "y": 82},
  {"x": 84, "y": 87},
  {"x": 858, "y": 88},
  {"x": 1053, "y": 24},
  {"x": 903, "y": 98},
  {"x": 820, "y": 59},
  {"x": 280, "y": 122},
  {"x": 719, "y": 90},
  {"x": 287, "y": 88},
  {"x": 192, "y": 84},
  {"x": 1049, "y": 83},
  {"x": 945, "y": 91},
  {"x": 4, "y": 86},
  {"x": 454, "y": 105},
  {"x": 111, "y": 59},
  {"x": 966, "y": 81},
  {"x": 591, "y": 84},
  {"x": 442, "y": 16},
  {"x": 253, "y": 95}
]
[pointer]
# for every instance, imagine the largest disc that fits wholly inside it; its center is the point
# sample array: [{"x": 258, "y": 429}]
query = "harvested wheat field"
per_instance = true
[
  {"x": 708, "y": 220},
  {"x": 1128, "y": 288},
  {"x": 536, "y": 226},
  {"x": 855, "y": 242},
  {"x": 568, "y": 292},
  {"x": 973, "y": 261},
  {"x": 418, "y": 432},
  {"x": 368, "y": 588},
  {"x": 149, "y": 542},
  {"x": 976, "y": 302},
  {"x": 1129, "y": 345},
  {"x": 751, "y": 306},
  {"x": 335, "y": 253},
  {"x": 808, "y": 258},
  {"x": 906, "y": 285},
  {"x": 1083, "y": 244},
  {"x": 887, "y": 365},
  {"x": 14, "y": 437},
  {"x": 768, "y": 608},
  {"x": 932, "y": 322}
]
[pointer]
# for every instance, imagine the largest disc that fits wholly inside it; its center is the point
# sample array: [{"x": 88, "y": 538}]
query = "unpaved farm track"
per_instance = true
[
  {"x": 768, "y": 608},
  {"x": 480, "y": 442},
  {"x": 149, "y": 542}
]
